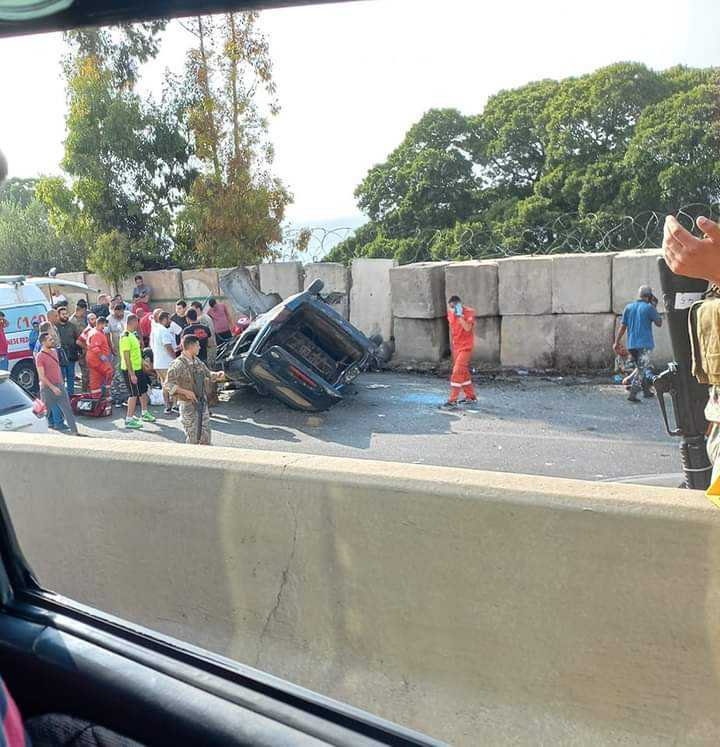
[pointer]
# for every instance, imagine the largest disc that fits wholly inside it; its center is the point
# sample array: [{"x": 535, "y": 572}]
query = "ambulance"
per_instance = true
[{"x": 23, "y": 302}]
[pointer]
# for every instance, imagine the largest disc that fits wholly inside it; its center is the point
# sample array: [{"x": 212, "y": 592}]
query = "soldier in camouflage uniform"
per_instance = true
[{"x": 187, "y": 381}]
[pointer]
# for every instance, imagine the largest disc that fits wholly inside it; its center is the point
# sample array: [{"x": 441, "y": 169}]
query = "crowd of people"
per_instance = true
[{"x": 116, "y": 351}]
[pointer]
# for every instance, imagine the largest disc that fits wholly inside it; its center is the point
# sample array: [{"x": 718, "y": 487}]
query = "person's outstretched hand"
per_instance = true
[{"x": 687, "y": 255}]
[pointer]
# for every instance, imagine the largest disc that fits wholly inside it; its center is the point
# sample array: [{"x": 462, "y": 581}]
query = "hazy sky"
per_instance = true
[{"x": 353, "y": 77}]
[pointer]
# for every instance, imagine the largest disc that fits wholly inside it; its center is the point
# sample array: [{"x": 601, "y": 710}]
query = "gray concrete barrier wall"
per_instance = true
[
  {"x": 481, "y": 608},
  {"x": 554, "y": 309}
]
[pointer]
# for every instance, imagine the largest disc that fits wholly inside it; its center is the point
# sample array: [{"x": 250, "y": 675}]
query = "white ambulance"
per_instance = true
[{"x": 23, "y": 302}]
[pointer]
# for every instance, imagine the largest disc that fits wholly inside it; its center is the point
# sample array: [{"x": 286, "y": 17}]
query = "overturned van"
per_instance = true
[{"x": 301, "y": 351}]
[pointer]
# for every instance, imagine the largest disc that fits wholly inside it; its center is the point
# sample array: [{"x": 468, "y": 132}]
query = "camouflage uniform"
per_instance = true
[{"x": 193, "y": 375}]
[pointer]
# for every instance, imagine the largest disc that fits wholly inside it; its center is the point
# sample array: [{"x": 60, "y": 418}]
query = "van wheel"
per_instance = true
[{"x": 25, "y": 375}]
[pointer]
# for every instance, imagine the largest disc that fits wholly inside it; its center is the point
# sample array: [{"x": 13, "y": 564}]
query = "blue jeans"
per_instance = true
[
  {"x": 4, "y": 363},
  {"x": 68, "y": 373}
]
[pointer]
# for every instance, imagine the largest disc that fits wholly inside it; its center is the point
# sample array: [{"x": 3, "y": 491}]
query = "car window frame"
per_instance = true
[{"x": 22, "y": 595}]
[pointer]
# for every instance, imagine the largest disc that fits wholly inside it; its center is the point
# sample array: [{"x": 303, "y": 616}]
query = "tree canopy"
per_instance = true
[
  {"x": 180, "y": 179},
  {"x": 552, "y": 165}
]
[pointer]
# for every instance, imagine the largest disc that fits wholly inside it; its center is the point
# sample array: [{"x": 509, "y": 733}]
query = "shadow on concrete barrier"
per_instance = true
[{"x": 479, "y": 607}]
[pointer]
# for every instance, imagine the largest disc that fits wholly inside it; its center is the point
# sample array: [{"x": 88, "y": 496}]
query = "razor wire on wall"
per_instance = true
[{"x": 568, "y": 233}]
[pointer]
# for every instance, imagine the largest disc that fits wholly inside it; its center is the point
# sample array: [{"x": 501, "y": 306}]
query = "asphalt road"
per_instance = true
[{"x": 545, "y": 426}]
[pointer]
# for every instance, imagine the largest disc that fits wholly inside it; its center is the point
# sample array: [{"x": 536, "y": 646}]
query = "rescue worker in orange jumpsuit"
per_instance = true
[
  {"x": 462, "y": 324},
  {"x": 99, "y": 360}
]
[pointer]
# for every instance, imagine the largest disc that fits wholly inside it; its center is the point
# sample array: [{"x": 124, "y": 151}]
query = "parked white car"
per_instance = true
[{"x": 18, "y": 410}]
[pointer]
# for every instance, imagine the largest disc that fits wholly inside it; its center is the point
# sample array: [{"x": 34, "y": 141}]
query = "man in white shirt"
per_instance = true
[{"x": 162, "y": 342}]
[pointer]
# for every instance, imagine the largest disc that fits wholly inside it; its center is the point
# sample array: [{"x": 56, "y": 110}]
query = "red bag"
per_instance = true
[{"x": 82, "y": 404}]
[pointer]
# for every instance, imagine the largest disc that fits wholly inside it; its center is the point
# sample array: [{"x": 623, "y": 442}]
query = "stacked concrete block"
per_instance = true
[
  {"x": 419, "y": 306},
  {"x": 370, "y": 296},
  {"x": 525, "y": 286},
  {"x": 336, "y": 284},
  {"x": 283, "y": 278},
  {"x": 631, "y": 269},
  {"x": 476, "y": 282},
  {"x": 582, "y": 283},
  {"x": 486, "y": 348},
  {"x": 100, "y": 284},
  {"x": 421, "y": 339},
  {"x": 418, "y": 290},
  {"x": 199, "y": 285},
  {"x": 584, "y": 341},
  {"x": 166, "y": 287},
  {"x": 528, "y": 341}
]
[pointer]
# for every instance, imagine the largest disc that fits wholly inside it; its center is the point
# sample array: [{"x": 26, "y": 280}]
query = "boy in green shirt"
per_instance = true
[{"x": 136, "y": 379}]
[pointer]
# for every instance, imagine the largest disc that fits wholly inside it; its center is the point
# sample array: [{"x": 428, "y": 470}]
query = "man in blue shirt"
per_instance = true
[{"x": 638, "y": 319}]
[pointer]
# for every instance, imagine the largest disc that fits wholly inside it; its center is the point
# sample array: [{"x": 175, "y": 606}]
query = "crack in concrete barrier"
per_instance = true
[{"x": 283, "y": 583}]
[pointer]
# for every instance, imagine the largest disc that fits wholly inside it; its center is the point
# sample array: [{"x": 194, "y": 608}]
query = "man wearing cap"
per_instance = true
[{"x": 637, "y": 320}]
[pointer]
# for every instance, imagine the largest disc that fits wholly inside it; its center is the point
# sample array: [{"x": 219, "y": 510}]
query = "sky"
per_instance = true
[{"x": 353, "y": 77}]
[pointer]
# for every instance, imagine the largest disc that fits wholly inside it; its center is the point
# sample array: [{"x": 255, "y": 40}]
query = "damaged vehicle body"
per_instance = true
[{"x": 301, "y": 351}]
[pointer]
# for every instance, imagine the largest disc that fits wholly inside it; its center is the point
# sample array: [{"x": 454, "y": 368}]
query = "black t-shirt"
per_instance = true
[
  {"x": 202, "y": 333},
  {"x": 181, "y": 322},
  {"x": 68, "y": 340}
]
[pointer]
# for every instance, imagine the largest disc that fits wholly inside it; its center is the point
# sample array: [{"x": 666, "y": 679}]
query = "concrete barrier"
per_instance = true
[
  {"x": 582, "y": 283},
  {"x": 486, "y": 348},
  {"x": 476, "y": 282},
  {"x": 528, "y": 341},
  {"x": 584, "y": 341},
  {"x": 525, "y": 286},
  {"x": 336, "y": 281},
  {"x": 197, "y": 285},
  {"x": 421, "y": 339},
  {"x": 370, "y": 296},
  {"x": 418, "y": 290},
  {"x": 632, "y": 269},
  {"x": 479, "y": 607},
  {"x": 283, "y": 278}
]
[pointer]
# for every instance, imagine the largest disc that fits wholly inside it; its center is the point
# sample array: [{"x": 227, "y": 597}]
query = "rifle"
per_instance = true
[
  {"x": 201, "y": 399},
  {"x": 687, "y": 395}
]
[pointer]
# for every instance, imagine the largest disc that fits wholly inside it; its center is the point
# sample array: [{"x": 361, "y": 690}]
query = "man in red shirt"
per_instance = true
[
  {"x": 4, "y": 360},
  {"x": 52, "y": 388},
  {"x": 462, "y": 324},
  {"x": 145, "y": 320}
]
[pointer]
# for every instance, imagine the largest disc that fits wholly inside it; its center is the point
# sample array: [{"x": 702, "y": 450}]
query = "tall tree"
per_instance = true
[
  {"x": 550, "y": 165},
  {"x": 127, "y": 157},
  {"x": 236, "y": 206}
]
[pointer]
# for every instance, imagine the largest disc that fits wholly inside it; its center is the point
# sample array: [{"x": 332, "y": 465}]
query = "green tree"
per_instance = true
[
  {"x": 112, "y": 257},
  {"x": 236, "y": 207},
  {"x": 552, "y": 165},
  {"x": 28, "y": 243},
  {"x": 127, "y": 158}
]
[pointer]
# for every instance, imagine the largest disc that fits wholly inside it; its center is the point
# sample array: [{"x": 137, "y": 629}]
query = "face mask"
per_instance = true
[{"x": 458, "y": 309}]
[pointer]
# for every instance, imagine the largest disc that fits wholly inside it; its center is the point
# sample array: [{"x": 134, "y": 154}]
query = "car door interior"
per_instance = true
[{"x": 59, "y": 657}]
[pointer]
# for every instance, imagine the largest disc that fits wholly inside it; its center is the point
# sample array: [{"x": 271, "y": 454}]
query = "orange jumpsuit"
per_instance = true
[
  {"x": 461, "y": 341},
  {"x": 101, "y": 371}
]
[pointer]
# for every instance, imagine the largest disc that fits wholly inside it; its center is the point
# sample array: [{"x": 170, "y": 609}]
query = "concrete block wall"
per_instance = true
[
  {"x": 336, "y": 284},
  {"x": 370, "y": 296},
  {"x": 419, "y": 308},
  {"x": 556, "y": 311},
  {"x": 283, "y": 278}
]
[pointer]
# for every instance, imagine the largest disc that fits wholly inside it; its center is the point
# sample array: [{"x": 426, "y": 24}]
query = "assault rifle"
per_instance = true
[{"x": 688, "y": 397}]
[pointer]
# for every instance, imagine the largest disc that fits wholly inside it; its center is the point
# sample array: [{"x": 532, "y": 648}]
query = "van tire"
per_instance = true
[{"x": 24, "y": 374}]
